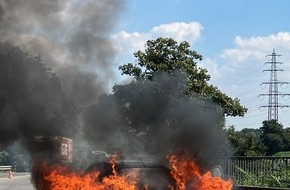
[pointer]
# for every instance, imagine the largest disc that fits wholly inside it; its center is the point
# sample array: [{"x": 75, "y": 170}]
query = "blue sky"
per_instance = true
[
  {"x": 233, "y": 36},
  {"x": 221, "y": 20}
]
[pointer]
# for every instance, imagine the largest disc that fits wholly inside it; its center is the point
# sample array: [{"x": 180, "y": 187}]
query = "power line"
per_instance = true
[{"x": 242, "y": 73}]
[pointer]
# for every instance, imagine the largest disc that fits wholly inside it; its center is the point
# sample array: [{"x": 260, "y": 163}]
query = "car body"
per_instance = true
[{"x": 152, "y": 175}]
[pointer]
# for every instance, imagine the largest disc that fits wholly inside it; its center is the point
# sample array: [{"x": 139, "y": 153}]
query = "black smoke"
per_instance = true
[
  {"x": 31, "y": 99},
  {"x": 64, "y": 91},
  {"x": 72, "y": 38},
  {"x": 56, "y": 59},
  {"x": 151, "y": 119}
]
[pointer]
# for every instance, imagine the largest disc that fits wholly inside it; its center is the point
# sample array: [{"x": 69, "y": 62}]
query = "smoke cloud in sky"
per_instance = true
[{"x": 72, "y": 38}]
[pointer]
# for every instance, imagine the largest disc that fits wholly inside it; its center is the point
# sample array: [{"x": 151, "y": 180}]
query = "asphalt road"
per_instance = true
[{"x": 19, "y": 181}]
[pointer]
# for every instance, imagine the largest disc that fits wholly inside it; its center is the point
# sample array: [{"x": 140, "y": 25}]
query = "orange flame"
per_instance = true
[
  {"x": 57, "y": 177},
  {"x": 188, "y": 176},
  {"x": 185, "y": 173}
]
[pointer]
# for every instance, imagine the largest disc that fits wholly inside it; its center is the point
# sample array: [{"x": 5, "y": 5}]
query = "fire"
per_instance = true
[
  {"x": 188, "y": 176},
  {"x": 183, "y": 171},
  {"x": 57, "y": 177}
]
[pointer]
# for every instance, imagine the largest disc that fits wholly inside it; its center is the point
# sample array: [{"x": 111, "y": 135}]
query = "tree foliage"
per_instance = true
[
  {"x": 268, "y": 140},
  {"x": 166, "y": 55},
  {"x": 272, "y": 136},
  {"x": 245, "y": 142}
]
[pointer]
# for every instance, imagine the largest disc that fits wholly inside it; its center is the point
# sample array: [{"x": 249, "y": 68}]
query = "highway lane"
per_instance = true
[{"x": 18, "y": 182}]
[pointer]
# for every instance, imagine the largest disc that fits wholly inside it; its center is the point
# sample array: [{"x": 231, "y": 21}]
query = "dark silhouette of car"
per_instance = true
[{"x": 153, "y": 175}]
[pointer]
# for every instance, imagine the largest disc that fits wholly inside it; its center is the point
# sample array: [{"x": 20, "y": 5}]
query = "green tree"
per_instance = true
[
  {"x": 166, "y": 55},
  {"x": 245, "y": 142},
  {"x": 272, "y": 136},
  {"x": 287, "y": 139}
]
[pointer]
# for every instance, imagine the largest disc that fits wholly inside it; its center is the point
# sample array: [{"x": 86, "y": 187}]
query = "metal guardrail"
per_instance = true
[
  {"x": 239, "y": 168},
  {"x": 233, "y": 166},
  {"x": 5, "y": 168}
]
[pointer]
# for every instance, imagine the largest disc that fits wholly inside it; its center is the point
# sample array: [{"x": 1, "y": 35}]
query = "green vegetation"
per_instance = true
[
  {"x": 268, "y": 140},
  {"x": 272, "y": 139},
  {"x": 245, "y": 142},
  {"x": 278, "y": 178}
]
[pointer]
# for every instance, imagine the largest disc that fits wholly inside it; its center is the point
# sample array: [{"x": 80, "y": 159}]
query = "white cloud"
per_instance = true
[
  {"x": 211, "y": 66},
  {"x": 279, "y": 40},
  {"x": 127, "y": 43},
  {"x": 257, "y": 47},
  {"x": 180, "y": 31}
]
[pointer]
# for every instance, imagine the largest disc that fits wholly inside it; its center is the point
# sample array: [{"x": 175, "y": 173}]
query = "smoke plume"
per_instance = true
[
  {"x": 71, "y": 37},
  {"x": 56, "y": 58},
  {"x": 151, "y": 119},
  {"x": 142, "y": 118}
]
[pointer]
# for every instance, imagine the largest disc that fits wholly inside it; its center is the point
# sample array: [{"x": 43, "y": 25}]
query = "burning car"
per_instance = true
[
  {"x": 150, "y": 175},
  {"x": 178, "y": 175},
  {"x": 181, "y": 173}
]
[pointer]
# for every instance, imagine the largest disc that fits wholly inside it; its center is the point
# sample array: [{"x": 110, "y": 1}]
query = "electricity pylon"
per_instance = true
[{"x": 273, "y": 83}]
